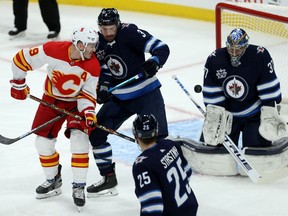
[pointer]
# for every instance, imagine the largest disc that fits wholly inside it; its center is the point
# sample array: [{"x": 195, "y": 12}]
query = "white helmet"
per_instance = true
[{"x": 85, "y": 35}]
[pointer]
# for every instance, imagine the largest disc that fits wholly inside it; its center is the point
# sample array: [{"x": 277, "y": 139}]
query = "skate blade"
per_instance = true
[
  {"x": 104, "y": 193},
  {"x": 53, "y": 193}
]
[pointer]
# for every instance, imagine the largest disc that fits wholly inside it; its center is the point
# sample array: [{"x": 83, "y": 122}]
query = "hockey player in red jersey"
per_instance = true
[{"x": 72, "y": 75}]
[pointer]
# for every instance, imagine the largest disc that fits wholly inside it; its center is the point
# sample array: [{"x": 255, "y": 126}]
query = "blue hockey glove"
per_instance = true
[{"x": 150, "y": 67}]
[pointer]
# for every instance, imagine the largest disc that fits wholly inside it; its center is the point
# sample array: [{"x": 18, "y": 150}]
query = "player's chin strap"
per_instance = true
[
  {"x": 81, "y": 52},
  {"x": 232, "y": 148}
]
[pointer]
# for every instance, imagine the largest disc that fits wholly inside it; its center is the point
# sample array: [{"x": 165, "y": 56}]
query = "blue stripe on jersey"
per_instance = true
[
  {"x": 213, "y": 95},
  {"x": 268, "y": 85},
  {"x": 137, "y": 90},
  {"x": 151, "y": 201},
  {"x": 270, "y": 96},
  {"x": 150, "y": 195},
  {"x": 254, "y": 108},
  {"x": 153, "y": 208}
]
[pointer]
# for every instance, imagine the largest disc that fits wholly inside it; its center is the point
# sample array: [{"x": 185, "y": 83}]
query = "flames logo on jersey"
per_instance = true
[
  {"x": 59, "y": 79},
  {"x": 235, "y": 87},
  {"x": 117, "y": 66}
]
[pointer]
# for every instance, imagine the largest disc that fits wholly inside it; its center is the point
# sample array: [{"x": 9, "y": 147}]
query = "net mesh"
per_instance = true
[{"x": 272, "y": 34}]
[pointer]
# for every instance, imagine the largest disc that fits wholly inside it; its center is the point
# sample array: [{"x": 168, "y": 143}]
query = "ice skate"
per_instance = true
[
  {"x": 105, "y": 187},
  {"x": 78, "y": 196},
  {"x": 51, "y": 187}
]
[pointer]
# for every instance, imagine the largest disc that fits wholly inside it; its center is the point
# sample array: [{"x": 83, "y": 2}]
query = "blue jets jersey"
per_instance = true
[
  {"x": 244, "y": 89},
  {"x": 122, "y": 59},
  {"x": 161, "y": 175}
]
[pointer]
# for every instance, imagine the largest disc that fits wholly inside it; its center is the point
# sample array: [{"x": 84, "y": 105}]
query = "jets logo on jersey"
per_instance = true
[
  {"x": 221, "y": 74},
  {"x": 235, "y": 87},
  {"x": 117, "y": 66},
  {"x": 140, "y": 159}
]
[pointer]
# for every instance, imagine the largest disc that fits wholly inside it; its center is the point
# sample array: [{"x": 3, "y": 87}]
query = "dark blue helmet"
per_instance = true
[
  {"x": 108, "y": 16},
  {"x": 145, "y": 126}
]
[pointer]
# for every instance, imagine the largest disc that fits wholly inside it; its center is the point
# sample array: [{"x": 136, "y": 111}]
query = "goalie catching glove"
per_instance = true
[
  {"x": 273, "y": 124},
  {"x": 19, "y": 89},
  {"x": 217, "y": 122},
  {"x": 90, "y": 117}
]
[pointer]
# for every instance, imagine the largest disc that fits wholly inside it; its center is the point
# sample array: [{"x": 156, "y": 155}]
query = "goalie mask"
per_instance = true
[
  {"x": 145, "y": 126},
  {"x": 237, "y": 43}
]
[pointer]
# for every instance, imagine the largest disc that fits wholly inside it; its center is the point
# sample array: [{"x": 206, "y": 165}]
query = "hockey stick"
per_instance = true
[
  {"x": 125, "y": 82},
  {"x": 8, "y": 141},
  {"x": 80, "y": 118},
  {"x": 228, "y": 144}
]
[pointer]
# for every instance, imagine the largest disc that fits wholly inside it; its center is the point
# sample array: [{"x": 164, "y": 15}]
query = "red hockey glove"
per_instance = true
[
  {"x": 90, "y": 117},
  {"x": 19, "y": 89}
]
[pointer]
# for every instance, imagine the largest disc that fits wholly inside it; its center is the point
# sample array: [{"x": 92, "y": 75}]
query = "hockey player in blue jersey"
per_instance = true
[
  {"x": 161, "y": 173},
  {"x": 121, "y": 51},
  {"x": 239, "y": 84}
]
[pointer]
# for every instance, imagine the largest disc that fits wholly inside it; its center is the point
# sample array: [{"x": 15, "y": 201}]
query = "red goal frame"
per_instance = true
[{"x": 220, "y": 6}]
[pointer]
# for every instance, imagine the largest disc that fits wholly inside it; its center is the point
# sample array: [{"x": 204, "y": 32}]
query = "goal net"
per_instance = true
[{"x": 266, "y": 25}]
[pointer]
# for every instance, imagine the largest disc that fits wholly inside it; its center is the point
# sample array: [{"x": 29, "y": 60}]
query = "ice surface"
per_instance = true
[{"x": 20, "y": 171}]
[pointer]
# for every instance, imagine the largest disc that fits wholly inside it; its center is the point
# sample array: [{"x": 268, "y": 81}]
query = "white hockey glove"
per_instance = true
[
  {"x": 217, "y": 122},
  {"x": 273, "y": 125}
]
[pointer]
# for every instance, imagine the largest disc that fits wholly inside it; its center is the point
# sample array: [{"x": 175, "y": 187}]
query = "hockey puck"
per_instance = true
[{"x": 197, "y": 88}]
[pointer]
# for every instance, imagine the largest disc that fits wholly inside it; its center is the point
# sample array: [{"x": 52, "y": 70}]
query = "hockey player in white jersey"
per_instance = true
[{"x": 72, "y": 76}]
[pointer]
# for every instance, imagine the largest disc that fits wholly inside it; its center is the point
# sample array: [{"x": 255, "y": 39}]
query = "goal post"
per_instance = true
[{"x": 266, "y": 25}]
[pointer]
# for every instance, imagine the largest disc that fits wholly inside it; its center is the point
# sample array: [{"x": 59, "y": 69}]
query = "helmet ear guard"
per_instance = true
[
  {"x": 109, "y": 16},
  {"x": 237, "y": 42},
  {"x": 145, "y": 127}
]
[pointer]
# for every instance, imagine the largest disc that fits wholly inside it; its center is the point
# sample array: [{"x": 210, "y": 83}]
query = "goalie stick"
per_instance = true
[
  {"x": 237, "y": 154},
  {"x": 80, "y": 118}
]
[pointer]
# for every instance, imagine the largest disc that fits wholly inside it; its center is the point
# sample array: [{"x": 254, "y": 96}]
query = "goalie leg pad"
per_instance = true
[{"x": 217, "y": 122}]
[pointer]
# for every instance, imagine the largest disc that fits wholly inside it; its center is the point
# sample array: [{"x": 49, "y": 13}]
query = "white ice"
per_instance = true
[{"x": 20, "y": 171}]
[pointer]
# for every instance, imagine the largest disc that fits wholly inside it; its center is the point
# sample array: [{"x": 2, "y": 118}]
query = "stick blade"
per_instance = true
[
  {"x": 7, "y": 141},
  {"x": 273, "y": 176}
]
